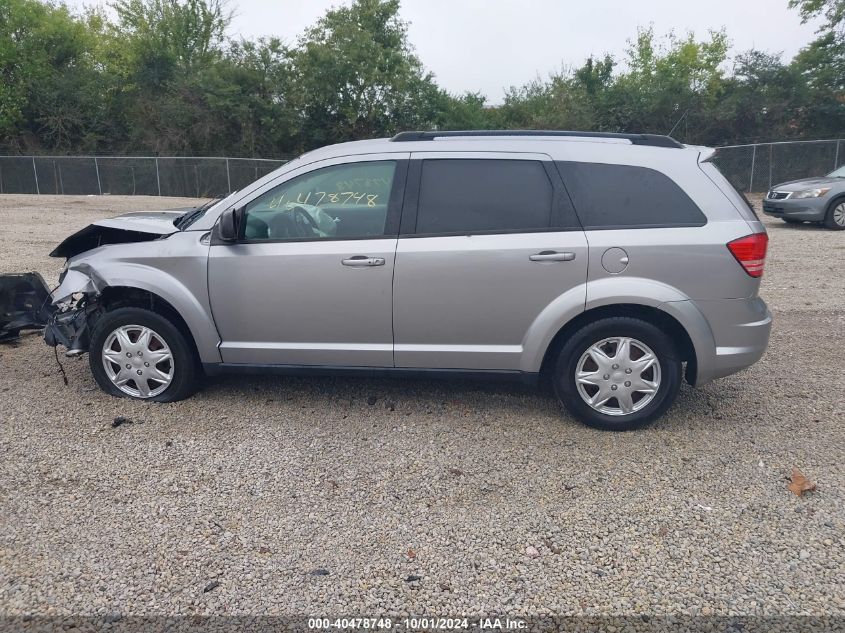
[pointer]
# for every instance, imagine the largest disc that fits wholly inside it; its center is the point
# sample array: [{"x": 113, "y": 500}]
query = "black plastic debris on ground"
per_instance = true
[{"x": 119, "y": 421}]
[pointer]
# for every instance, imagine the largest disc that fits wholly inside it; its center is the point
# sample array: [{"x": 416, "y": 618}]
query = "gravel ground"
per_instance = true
[{"x": 319, "y": 496}]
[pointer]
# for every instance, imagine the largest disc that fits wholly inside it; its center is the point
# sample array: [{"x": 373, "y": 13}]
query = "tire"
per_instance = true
[
  {"x": 166, "y": 379},
  {"x": 645, "y": 407},
  {"x": 792, "y": 221},
  {"x": 835, "y": 217}
]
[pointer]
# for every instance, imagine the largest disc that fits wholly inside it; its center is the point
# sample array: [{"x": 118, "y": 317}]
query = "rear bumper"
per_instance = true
[
  {"x": 810, "y": 209},
  {"x": 741, "y": 329}
]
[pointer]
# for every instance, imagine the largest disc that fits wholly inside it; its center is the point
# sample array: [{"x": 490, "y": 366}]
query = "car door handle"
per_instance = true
[
  {"x": 551, "y": 256},
  {"x": 363, "y": 260}
]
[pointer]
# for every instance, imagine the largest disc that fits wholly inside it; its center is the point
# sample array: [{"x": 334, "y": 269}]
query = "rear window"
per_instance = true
[
  {"x": 625, "y": 196},
  {"x": 483, "y": 196},
  {"x": 733, "y": 190}
]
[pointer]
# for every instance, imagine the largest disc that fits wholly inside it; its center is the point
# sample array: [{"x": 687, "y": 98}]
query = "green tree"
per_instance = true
[
  {"x": 667, "y": 83},
  {"x": 833, "y": 12},
  {"x": 48, "y": 79},
  {"x": 463, "y": 112},
  {"x": 822, "y": 64},
  {"x": 163, "y": 55},
  {"x": 354, "y": 75}
]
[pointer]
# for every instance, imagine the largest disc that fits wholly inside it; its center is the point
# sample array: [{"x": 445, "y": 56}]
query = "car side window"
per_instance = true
[
  {"x": 625, "y": 196},
  {"x": 465, "y": 196},
  {"x": 338, "y": 202}
]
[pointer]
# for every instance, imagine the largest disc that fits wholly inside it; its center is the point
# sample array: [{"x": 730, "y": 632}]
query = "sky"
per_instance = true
[{"x": 489, "y": 45}]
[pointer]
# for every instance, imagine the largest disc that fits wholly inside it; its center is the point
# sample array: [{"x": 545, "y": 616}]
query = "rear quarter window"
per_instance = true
[{"x": 625, "y": 196}]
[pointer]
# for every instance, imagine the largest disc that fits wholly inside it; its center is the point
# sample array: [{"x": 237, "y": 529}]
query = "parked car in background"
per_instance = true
[
  {"x": 819, "y": 200},
  {"x": 606, "y": 262}
]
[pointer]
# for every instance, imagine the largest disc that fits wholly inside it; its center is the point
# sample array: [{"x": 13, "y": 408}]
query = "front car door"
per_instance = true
[
  {"x": 309, "y": 282},
  {"x": 488, "y": 241}
]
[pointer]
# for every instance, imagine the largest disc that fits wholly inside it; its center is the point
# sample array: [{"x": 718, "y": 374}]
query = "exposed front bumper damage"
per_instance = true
[
  {"x": 26, "y": 303},
  {"x": 73, "y": 301}
]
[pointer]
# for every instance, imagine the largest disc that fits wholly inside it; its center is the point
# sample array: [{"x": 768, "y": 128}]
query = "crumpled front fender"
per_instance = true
[{"x": 81, "y": 279}]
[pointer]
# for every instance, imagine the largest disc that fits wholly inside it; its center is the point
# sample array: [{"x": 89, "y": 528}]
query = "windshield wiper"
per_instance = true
[{"x": 186, "y": 219}]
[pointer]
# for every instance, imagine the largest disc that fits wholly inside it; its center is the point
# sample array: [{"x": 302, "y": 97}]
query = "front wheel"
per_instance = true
[
  {"x": 139, "y": 354},
  {"x": 835, "y": 218},
  {"x": 618, "y": 374}
]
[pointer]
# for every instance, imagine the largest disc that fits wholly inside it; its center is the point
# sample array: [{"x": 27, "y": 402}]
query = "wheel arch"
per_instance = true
[
  {"x": 839, "y": 197},
  {"x": 828, "y": 210},
  {"x": 185, "y": 296},
  {"x": 114, "y": 297},
  {"x": 654, "y": 315}
]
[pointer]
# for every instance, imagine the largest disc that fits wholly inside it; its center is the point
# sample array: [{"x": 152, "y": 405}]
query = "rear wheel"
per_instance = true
[
  {"x": 618, "y": 374},
  {"x": 139, "y": 354},
  {"x": 835, "y": 218}
]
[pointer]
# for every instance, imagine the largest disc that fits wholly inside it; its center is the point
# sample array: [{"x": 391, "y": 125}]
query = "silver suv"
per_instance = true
[{"x": 606, "y": 262}]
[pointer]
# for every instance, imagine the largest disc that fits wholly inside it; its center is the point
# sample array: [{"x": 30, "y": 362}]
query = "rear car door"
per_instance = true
[
  {"x": 309, "y": 282},
  {"x": 487, "y": 242}
]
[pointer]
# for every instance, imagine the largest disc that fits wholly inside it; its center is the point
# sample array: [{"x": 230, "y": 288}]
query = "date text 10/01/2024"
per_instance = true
[{"x": 419, "y": 623}]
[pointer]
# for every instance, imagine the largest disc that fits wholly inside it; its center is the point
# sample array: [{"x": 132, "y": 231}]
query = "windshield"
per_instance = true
[
  {"x": 838, "y": 173},
  {"x": 186, "y": 219}
]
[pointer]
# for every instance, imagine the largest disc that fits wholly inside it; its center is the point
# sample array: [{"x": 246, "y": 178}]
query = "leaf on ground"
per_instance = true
[
  {"x": 799, "y": 484},
  {"x": 411, "y": 554}
]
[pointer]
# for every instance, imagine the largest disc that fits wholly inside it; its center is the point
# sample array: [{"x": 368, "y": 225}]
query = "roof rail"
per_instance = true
[{"x": 654, "y": 140}]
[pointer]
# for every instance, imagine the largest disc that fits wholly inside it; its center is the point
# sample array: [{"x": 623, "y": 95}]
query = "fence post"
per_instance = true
[
  {"x": 158, "y": 179},
  {"x": 229, "y": 178},
  {"x": 836, "y": 158},
  {"x": 35, "y": 172},
  {"x": 753, "y": 160},
  {"x": 771, "y": 158},
  {"x": 97, "y": 169}
]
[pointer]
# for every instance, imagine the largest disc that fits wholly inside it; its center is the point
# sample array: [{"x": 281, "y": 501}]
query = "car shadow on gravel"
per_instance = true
[
  {"x": 695, "y": 409},
  {"x": 415, "y": 392}
]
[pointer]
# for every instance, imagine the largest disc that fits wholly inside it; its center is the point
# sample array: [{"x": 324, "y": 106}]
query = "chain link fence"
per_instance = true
[
  {"x": 756, "y": 168},
  {"x": 130, "y": 175},
  {"x": 751, "y": 168}
]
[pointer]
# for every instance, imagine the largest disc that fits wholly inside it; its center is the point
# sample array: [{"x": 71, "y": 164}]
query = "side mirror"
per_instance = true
[{"x": 227, "y": 229}]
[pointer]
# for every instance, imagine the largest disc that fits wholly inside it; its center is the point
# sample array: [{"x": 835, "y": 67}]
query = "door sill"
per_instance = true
[{"x": 213, "y": 369}]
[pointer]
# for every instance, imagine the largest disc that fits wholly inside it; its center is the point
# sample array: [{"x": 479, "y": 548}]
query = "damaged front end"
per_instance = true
[
  {"x": 24, "y": 304},
  {"x": 27, "y": 304},
  {"x": 74, "y": 301}
]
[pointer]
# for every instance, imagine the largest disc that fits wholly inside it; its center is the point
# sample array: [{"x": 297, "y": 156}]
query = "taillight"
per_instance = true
[{"x": 750, "y": 252}]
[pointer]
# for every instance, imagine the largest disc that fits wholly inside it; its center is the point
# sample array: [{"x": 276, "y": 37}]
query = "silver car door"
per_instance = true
[
  {"x": 484, "y": 248},
  {"x": 309, "y": 281}
]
